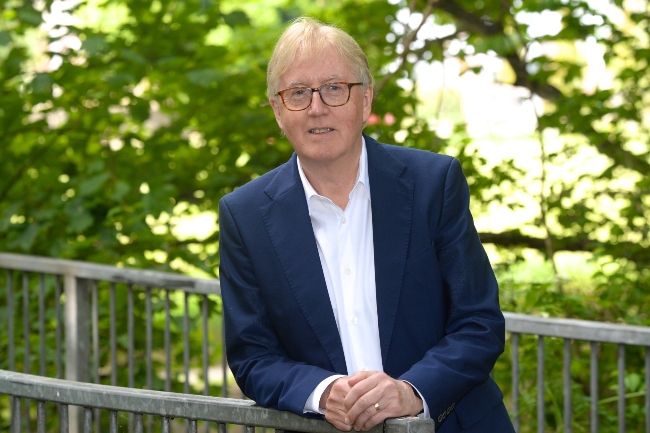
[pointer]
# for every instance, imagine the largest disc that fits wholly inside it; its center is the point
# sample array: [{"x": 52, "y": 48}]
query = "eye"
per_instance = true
[
  {"x": 334, "y": 87},
  {"x": 298, "y": 92}
]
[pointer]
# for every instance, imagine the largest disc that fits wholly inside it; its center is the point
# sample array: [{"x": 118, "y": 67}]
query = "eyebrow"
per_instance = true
[{"x": 304, "y": 83}]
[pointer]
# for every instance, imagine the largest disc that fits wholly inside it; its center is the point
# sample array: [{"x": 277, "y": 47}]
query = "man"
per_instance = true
[{"x": 353, "y": 280}]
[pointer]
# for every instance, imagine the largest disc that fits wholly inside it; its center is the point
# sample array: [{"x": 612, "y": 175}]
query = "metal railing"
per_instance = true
[
  {"x": 157, "y": 330},
  {"x": 163, "y": 405},
  {"x": 164, "y": 332},
  {"x": 571, "y": 331}
]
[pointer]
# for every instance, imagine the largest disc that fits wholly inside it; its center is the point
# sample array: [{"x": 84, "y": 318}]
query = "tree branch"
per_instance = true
[{"x": 514, "y": 238}]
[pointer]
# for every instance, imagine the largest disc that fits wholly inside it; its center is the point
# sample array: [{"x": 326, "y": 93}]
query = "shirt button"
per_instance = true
[
  {"x": 354, "y": 320},
  {"x": 347, "y": 271},
  {"x": 344, "y": 220}
]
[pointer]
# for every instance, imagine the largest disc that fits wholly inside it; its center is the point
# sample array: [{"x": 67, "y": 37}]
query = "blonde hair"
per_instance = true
[{"x": 307, "y": 36}]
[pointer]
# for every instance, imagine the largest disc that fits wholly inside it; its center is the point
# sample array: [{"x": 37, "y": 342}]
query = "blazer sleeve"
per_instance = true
[
  {"x": 256, "y": 355},
  {"x": 474, "y": 327}
]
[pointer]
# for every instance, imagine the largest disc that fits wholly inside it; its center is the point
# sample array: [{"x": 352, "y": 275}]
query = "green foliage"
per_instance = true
[{"x": 139, "y": 114}]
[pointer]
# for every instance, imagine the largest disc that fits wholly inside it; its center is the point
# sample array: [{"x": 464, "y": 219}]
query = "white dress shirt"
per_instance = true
[
  {"x": 346, "y": 251},
  {"x": 345, "y": 248}
]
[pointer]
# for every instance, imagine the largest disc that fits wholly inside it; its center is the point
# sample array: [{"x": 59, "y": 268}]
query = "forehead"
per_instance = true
[{"x": 316, "y": 68}]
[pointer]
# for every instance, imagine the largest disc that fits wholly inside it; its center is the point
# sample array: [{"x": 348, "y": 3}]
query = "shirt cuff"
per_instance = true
[
  {"x": 313, "y": 401},
  {"x": 425, "y": 411}
]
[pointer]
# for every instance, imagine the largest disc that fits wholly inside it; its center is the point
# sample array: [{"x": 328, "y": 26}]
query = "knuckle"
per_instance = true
[{"x": 363, "y": 401}]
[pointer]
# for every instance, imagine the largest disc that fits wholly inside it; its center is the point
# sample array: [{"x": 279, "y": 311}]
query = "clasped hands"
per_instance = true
[{"x": 367, "y": 398}]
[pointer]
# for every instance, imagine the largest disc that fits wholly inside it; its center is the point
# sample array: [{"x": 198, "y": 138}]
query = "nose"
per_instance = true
[{"x": 317, "y": 105}]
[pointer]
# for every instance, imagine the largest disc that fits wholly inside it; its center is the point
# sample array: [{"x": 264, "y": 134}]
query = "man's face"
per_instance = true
[{"x": 322, "y": 134}]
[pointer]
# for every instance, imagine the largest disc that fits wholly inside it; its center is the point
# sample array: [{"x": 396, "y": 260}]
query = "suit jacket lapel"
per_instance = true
[
  {"x": 392, "y": 207},
  {"x": 289, "y": 227}
]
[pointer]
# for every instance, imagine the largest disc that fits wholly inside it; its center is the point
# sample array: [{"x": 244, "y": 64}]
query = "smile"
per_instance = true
[{"x": 320, "y": 131}]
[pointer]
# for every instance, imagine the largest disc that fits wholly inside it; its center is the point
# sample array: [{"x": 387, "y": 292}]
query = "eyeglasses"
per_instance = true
[{"x": 332, "y": 94}]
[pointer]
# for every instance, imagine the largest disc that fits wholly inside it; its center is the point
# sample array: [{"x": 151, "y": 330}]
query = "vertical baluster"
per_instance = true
[
  {"x": 206, "y": 353},
  {"x": 131, "y": 348},
  {"x": 26, "y": 321},
  {"x": 250, "y": 429},
  {"x": 113, "y": 337},
  {"x": 567, "y": 386},
  {"x": 168, "y": 370},
  {"x": 64, "y": 424},
  {"x": 13, "y": 401},
  {"x": 59, "y": 326},
  {"x": 78, "y": 339},
  {"x": 221, "y": 427},
  {"x": 540, "y": 384},
  {"x": 94, "y": 301},
  {"x": 95, "y": 329},
  {"x": 148, "y": 349},
  {"x": 621, "y": 388},
  {"x": 16, "y": 415},
  {"x": 186, "y": 343},
  {"x": 113, "y": 421},
  {"x": 26, "y": 334},
  {"x": 193, "y": 426},
  {"x": 165, "y": 425},
  {"x": 130, "y": 335},
  {"x": 10, "y": 319},
  {"x": 515, "y": 380},
  {"x": 40, "y": 417},
  {"x": 41, "y": 323},
  {"x": 88, "y": 420},
  {"x": 647, "y": 387},
  {"x": 138, "y": 422},
  {"x": 593, "y": 379},
  {"x": 186, "y": 346},
  {"x": 148, "y": 336}
]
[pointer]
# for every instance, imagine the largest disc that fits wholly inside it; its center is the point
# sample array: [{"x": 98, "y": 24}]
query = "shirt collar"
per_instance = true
[{"x": 362, "y": 175}]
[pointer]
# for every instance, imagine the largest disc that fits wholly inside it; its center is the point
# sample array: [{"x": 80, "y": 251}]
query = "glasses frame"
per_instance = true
[{"x": 317, "y": 89}]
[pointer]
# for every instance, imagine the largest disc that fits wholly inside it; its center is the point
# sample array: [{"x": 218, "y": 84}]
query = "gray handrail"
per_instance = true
[
  {"x": 576, "y": 329},
  {"x": 112, "y": 274},
  {"x": 176, "y": 405}
]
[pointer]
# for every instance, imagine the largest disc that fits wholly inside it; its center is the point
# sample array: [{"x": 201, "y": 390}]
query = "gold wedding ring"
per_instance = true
[{"x": 377, "y": 407}]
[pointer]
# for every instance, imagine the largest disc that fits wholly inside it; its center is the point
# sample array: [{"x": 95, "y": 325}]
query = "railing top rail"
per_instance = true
[
  {"x": 175, "y": 405},
  {"x": 113, "y": 274},
  {"x": 578, "y": 329}
]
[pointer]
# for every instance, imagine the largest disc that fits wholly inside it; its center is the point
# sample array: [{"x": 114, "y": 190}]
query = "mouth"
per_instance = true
[{"x": 320, "y": 130}]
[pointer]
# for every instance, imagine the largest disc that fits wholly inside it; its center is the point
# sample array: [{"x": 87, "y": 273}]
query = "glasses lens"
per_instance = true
[
  {"x": 335, "y": 93},
  {"x": 297, "y": 98}
]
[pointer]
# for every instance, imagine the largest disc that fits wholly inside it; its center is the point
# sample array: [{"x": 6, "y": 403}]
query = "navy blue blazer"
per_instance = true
[{"x": 440, "y": 325}]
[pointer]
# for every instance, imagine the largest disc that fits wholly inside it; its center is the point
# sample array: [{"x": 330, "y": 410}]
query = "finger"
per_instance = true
[
  {"x": 335, "y": 410},
  {"x": 337, "y": 419},
  {"x": 398, "y": 399},
  {"x": 371, "y": 416},
  {"x": 362, "y": 385},
  {"x": 364, "y": 407},
  {"x": 359, "y": 376},
  {"x": 390, "y": 397}
]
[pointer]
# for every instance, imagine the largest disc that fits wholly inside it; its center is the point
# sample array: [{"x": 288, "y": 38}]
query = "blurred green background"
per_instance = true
[{"x": 122, "y": 123}]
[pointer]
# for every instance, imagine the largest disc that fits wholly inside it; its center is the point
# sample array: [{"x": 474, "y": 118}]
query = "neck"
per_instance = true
[{"x": 335, "y": 180}]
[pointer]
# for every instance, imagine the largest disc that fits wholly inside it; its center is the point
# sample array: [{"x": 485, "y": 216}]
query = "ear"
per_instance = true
[
  {"x": 367, "y": 103},
  {"x": 277, "y": 108}
]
